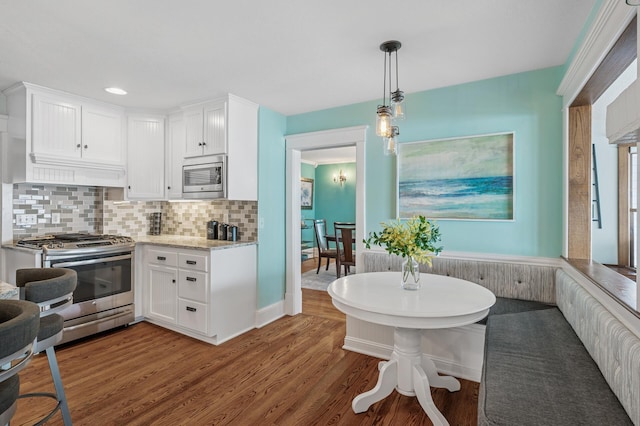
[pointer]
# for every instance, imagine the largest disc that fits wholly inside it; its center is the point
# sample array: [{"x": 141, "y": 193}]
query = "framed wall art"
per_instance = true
[
  {"x": 468, "y": 178},
  {"x": 306, "y": 193}
]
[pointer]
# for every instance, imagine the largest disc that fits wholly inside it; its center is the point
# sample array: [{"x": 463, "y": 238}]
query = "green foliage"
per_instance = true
[{"x": 416, "y": 238}]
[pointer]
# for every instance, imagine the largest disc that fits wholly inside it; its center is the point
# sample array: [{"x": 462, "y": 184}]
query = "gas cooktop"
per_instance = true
[{"x": 73, "y": 241}]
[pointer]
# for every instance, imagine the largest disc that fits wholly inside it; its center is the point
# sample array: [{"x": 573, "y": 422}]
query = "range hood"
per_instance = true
[{"x": 623, "y": 116}]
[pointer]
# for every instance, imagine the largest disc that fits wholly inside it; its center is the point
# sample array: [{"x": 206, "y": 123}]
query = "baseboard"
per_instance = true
[
  {"x": 457, "y": 351},
  {"x": 270, "y": 313},
  {"x": 460, "y": 371},
  {"x": 445, "y": 366},
  {"x": 367, "y": 347}
]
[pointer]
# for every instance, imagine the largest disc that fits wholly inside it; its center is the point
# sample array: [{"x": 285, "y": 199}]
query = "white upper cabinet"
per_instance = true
[
  {"x": 102, "y": 135},
  {"x": 174, "y": 155},
  {"x": 56, "y": 127},
  {"x": 205, "y": 130},
  {"x": 55, "y": 137},
  {"x": 227, "y": 126},
  {"x": 215, "y": 136},
  {"x": 194, "y": 132},
  {"x": 145, "y": 168}
]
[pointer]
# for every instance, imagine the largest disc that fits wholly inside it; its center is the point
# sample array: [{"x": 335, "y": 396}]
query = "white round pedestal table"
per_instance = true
[{"x": 441, "y": 302}]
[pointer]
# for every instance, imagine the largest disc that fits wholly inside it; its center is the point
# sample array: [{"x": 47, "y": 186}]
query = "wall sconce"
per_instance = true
[{"x": 341, "y": 177}]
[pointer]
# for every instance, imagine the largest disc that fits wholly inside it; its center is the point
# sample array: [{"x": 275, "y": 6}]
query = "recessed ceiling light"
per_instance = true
[{"x": 116, "y": 90}]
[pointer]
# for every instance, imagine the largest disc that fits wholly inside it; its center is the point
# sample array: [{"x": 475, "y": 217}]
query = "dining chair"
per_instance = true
[
  {"x": 52, "y": 290},
  {"x": 320, "y": 226},
  {"x": 344, "y": 232},
  {"x": 19, "y": 324}
]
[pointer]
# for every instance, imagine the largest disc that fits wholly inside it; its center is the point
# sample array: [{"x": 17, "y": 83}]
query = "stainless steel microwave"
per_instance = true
[{"x": 205, "y": 178}]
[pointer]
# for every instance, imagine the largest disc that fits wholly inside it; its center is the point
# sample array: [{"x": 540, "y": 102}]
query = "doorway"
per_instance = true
[
  {"x": 330, "y": 175},
  {"x": 295, "y": 145}
]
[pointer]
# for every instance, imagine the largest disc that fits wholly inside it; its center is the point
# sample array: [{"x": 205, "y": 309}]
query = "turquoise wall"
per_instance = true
[
  {"x": 525, "y": 104},
  {"x": 271, "y": 203},
  {"x": 309, "y": 171},
  {"x": 336, "y": 203}
]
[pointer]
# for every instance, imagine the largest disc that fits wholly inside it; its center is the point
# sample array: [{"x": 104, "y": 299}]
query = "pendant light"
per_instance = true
[{"x": 394, "y": 109}]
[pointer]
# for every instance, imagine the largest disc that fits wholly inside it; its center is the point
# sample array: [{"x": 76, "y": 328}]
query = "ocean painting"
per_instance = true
[{"x": 468, "y": 178}]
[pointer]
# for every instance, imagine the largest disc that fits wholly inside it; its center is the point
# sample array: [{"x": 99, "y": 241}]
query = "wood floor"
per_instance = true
[{"x": 290, "y": 372}]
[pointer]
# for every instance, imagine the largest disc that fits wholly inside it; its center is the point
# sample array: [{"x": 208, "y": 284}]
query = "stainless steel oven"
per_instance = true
[{"x": 104, "y": 296}]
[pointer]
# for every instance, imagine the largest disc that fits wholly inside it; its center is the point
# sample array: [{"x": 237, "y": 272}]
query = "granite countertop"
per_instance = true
[
  {"x": 8, "y": 291},
  {"x": 179, "y": 241},
  {"x": 200, "y": 243}
]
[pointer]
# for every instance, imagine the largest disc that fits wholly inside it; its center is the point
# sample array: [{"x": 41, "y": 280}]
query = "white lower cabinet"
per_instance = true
[
  {"x": 206, "y": 294},
  {"x": 162, "y": 293}
]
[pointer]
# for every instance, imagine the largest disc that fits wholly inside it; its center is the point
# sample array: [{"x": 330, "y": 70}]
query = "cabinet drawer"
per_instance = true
[
  {"x": 160, "y": 257},
  {"x": 192, "y": 315},
  {"x": 192, "y": 285},
  {"x": 196, "y": 262}
]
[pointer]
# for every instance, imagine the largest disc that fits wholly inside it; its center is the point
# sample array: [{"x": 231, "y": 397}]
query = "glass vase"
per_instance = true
[{"x": 410, "y": 274}]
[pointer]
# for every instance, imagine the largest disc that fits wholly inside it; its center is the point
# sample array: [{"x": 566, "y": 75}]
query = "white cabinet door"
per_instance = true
[
  {"x": 162, "y": 293},
  {"x": 215, "y": 133},
  {"x": 56, "y": 126},
  {"x": 145, "y": 147},
  {"x": 174, "y": 156},
  {"x": 242, "y": 149},
  {"x": 102, "y": 139},
  {"x": 194, "y": 136}
]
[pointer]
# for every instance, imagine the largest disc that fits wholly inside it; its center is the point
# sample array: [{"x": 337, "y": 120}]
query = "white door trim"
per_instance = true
[{"x": 334, "y": 138}]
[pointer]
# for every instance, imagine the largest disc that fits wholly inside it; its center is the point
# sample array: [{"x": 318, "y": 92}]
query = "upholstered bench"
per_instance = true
[
  {"x": 518, "y": 287},
  {"x": 537, "y": 370},
  {"x": 553, "y": 354}
]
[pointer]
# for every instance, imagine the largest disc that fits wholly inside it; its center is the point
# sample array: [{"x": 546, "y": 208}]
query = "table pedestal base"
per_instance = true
[{"x": 410, "y": 373}]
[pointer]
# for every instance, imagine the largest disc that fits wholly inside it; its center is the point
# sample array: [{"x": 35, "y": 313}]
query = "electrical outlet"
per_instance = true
[
  {"x": 26, "y": 219},
  {"x": 55, "y": 217}
]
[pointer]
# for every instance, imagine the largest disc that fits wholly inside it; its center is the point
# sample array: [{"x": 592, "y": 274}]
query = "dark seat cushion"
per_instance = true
[
  {"x": 505, "y": 305},
  {"x": 9, "y": 390},
  {"x": 536, "y": 371},
  {"x": 50, "y": 326},
  {"x": 42, "y": 284},
  {"x": 19, "y": 322}
]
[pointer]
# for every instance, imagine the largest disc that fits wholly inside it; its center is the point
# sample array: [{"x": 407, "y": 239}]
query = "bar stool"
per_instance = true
[
  {"x": 52, "y": 289},
  {"x": 19, "y": 323}
]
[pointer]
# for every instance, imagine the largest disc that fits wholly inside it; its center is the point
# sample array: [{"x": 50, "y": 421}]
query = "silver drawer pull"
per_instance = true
[
  {"x": 191, "y": 262},
  {"x": 192, "y": 279},
  {"x": 190, "y": 309}
]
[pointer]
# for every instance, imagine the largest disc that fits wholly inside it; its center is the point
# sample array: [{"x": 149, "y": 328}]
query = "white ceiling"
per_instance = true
[{"x": 290, "y": 56}]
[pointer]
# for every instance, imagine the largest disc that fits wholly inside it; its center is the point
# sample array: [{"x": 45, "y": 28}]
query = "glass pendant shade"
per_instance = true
[
  {"x": 390, "y": 146},
  {"x": 398, "y": 105},
  {"x": 383, "y": 122},
  {"x": 389, "y": 113},
  {"x": 391, "y": 143}
]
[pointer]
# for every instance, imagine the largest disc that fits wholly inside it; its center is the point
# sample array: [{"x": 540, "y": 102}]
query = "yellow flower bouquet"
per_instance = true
[{"x": 414, "y": 239}]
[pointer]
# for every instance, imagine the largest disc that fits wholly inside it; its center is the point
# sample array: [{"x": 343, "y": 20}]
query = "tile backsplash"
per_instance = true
[
  {"x": 79, "y": 209},
  {"x": 87, "y": 209}
]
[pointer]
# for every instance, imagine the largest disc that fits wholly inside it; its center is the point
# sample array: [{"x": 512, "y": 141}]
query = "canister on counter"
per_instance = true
[
  {"x": 212, "y": 230},
  {"x": 223, "y": 231},
  {"x": 233, "y": 233}
]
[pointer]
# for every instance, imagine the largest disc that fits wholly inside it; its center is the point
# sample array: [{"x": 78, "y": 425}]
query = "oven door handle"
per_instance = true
[
  {"x": 98, "y": 321},
  {"x": 90, "y": 261}
]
